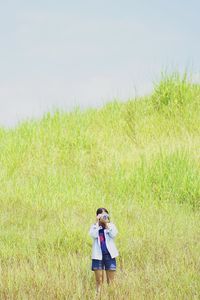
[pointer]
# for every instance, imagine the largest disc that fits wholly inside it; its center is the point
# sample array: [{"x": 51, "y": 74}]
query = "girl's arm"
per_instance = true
[
  {"x": 94, "y": 230},
  {"x": 112, "y": 230}
]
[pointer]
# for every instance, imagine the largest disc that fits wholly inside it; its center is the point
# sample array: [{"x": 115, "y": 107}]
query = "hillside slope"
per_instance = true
[{"x": 140, "y": 159}]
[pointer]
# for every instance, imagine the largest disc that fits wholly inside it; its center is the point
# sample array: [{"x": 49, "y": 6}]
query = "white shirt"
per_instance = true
[{"x": 110, "y": 234}]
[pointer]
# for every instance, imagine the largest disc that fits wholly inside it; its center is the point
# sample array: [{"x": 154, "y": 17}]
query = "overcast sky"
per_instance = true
[{"x": 68, "y": 53}]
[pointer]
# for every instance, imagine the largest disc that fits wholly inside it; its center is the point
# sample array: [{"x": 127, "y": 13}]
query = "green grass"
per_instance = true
[{"x": 139, "y": 159}]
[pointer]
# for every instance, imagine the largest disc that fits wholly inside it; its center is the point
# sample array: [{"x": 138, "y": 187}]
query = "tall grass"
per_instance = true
[{"x": 140, "y": 159}]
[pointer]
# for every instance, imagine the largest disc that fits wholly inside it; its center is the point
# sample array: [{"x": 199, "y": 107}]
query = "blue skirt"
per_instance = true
[{"x": 107, "y": 263}]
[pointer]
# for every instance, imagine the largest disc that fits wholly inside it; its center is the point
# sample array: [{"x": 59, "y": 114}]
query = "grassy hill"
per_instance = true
[{"x": 140, "y": 160}]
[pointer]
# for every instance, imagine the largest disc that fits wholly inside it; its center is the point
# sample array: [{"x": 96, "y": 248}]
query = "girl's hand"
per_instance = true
[
  {"x": 98, "y": 217},
  {"x": 107, "y": 225},
  {"x": 104, "y": 223}
]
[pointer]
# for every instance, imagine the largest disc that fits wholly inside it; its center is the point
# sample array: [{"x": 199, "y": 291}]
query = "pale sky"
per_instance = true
[{"x": 62, "y": 54}]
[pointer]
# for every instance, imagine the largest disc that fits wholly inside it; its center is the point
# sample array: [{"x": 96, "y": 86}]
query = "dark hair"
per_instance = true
[{"x": 100, "y": 210}]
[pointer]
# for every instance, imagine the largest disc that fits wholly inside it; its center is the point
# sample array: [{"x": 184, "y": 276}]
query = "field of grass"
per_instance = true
[{"x": 139, "y": 159}]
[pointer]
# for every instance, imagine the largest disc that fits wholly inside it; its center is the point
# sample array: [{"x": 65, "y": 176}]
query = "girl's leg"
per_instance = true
[
  {"x": 110, "y": 274},
  {"x": 99, "y": 279}
]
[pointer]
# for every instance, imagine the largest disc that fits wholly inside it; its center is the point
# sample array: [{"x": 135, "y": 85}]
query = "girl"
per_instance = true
[{"x": 104, "y": 250}]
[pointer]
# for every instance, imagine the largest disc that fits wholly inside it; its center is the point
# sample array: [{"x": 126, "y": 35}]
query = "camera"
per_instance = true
[{"x": 105, "y": 217}]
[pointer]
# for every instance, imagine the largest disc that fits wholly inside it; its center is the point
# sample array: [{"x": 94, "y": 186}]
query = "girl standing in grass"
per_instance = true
[{"x": 104, "y": 251}]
